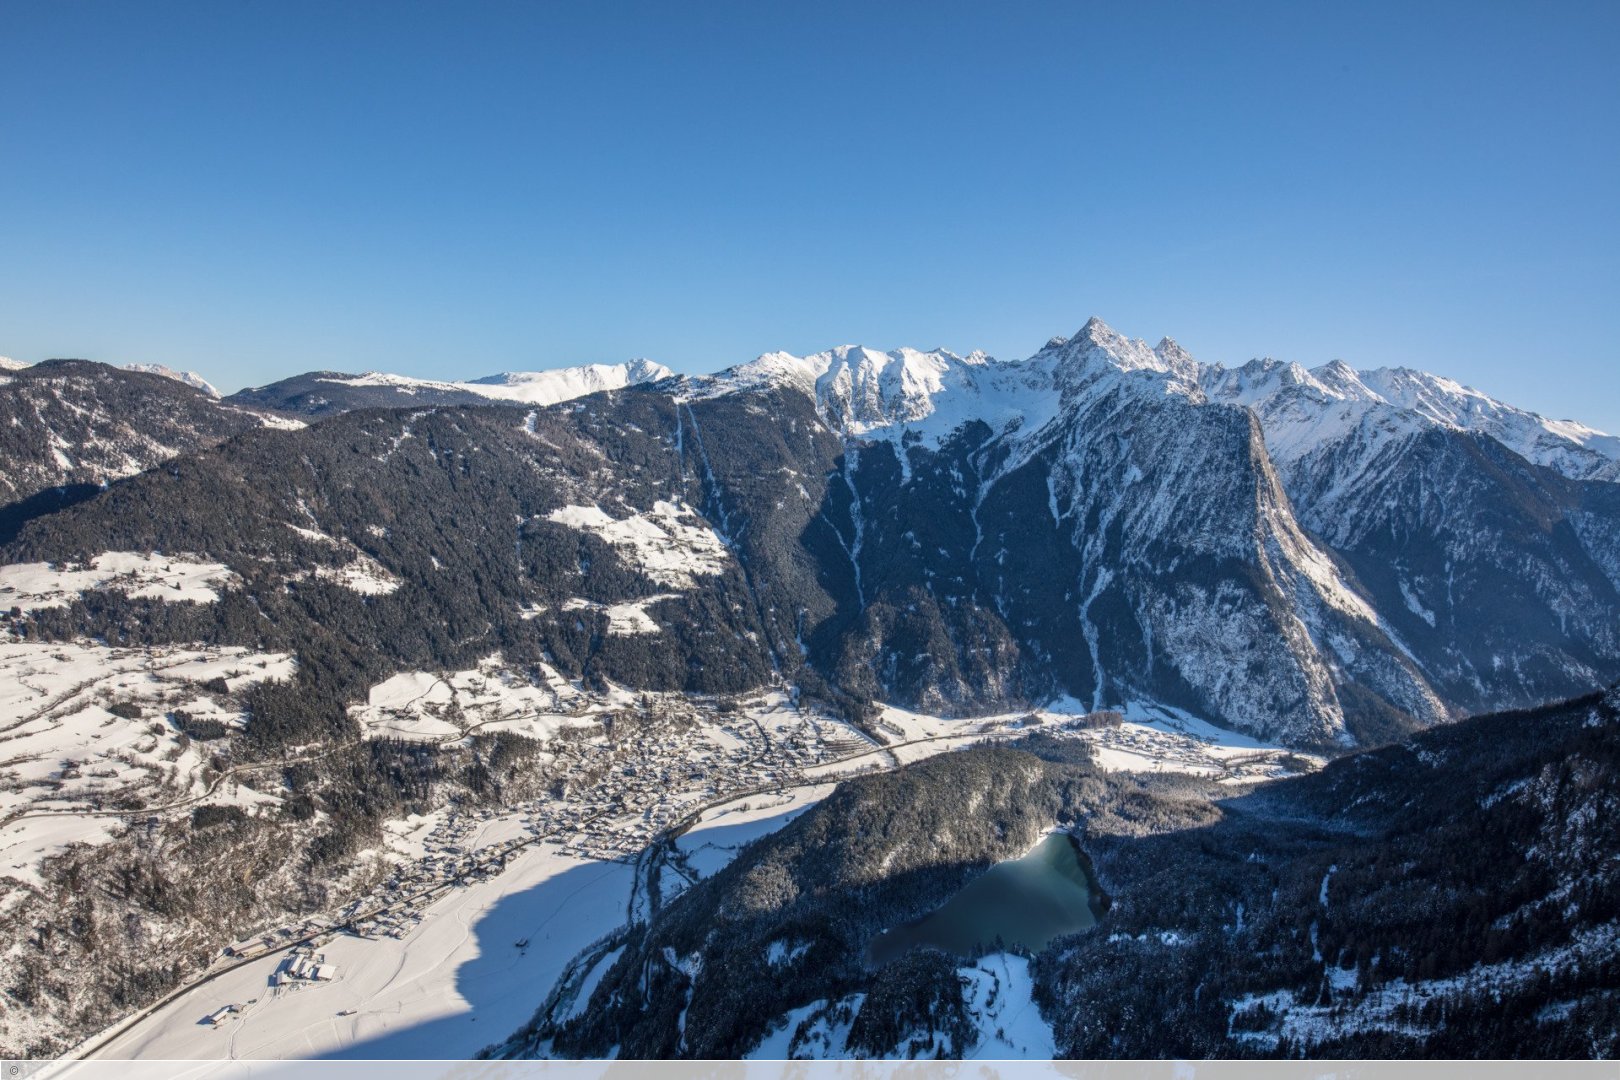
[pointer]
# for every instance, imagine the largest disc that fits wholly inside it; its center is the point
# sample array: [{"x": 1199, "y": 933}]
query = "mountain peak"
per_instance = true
[
  {"x": 1339, "y": 369},
  {"x": 640, "y": 370},
  {"x": 1098, "y": 343},
  {"x": 1342, "y": 379},
  {"x": 1098, "y": 332},
  {"x": 1171, "y": 352}
]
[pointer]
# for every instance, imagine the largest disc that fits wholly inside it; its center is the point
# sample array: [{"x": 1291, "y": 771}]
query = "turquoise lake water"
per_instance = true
[{"x": 1022, "y": 902}]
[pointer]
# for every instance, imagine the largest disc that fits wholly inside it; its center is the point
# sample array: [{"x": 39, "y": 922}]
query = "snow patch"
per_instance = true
[
  {"x": 670, "y": 543},
  {"x": 999, "y": 993},
  {"x": 485, "y": 699},
  {"x": 177, "y": 578},
  {"x": 628, "y": 618}
]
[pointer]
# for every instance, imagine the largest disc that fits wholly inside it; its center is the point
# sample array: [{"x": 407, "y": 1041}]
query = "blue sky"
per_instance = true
[{"x": 253, "y": 190}]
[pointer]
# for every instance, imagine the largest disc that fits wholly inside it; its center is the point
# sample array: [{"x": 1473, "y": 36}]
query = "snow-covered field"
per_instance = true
[
  {"x": 722, "y": 831},
  {"x": 1155, "y": 738},
  {"x": 997, "y": 989},
  {"x": 145, "y": 575},
  {"x": 1152, "y": 738},
  {"x": 454, "y": 984},
  {"x": 630, "y": 617},
  {"x": 1000, "y": 997},
  {"x": 70, "y": 767},
  {"x": 488, "y": 698},
  {"x": 364, "y": 575}
]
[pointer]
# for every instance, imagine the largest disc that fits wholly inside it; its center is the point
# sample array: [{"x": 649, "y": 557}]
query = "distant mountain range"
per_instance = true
[
  {"x": 321, "y": 392},
  {"x": 190, "y": 378}
]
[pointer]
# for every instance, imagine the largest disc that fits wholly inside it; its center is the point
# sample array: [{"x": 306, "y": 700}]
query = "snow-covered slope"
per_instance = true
[
  {"x": 1304, "y": 410},
  {"x": 864, "y": 392},
  {"x": 524, "y": 387},
  {"x": 565, "y": 384}
]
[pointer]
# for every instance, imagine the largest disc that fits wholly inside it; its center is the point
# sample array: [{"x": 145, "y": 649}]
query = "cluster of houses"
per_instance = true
[
  {"x": 248, "y": 948},
  {"x": 303, "y": 965},
  {"x": 652, "y": 779}
]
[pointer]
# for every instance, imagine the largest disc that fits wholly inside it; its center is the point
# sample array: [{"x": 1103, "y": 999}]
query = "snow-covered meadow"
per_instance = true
[
  {"x": 144, "y": 575},
  {"x": 87, "y": 737},
  {"x": 997, "y": 990},
  {"x": 485, "y": 699},
  {"x": 456, "y": 982},
  {"x": 670, "y": 543}
]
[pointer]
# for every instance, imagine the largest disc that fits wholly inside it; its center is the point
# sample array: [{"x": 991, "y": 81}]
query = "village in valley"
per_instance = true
[
  {"x": 633, "y": 770},
  {"x": 646, "y": 782}
]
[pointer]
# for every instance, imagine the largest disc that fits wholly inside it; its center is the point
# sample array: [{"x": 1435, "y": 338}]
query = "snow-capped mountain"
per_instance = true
[
  {"x": 1321, "y": 558},
  {"x": 1303, "y": 410},
  {"x": 325, "y": 392},
  {"x": 1111, "y": 520},
  {"x": 565, "y": 384},
  {"x": 864, "y": 392},
  {"x": 190, "y": 378},
  {"x": 1146, "y": 461}
]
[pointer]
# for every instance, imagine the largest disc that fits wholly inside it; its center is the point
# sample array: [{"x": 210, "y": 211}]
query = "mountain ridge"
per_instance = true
[
  {"x": 961, "y": 535},
  {"x": 1291, "y": 398},
  {"x": 1573, "y": 448}
]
